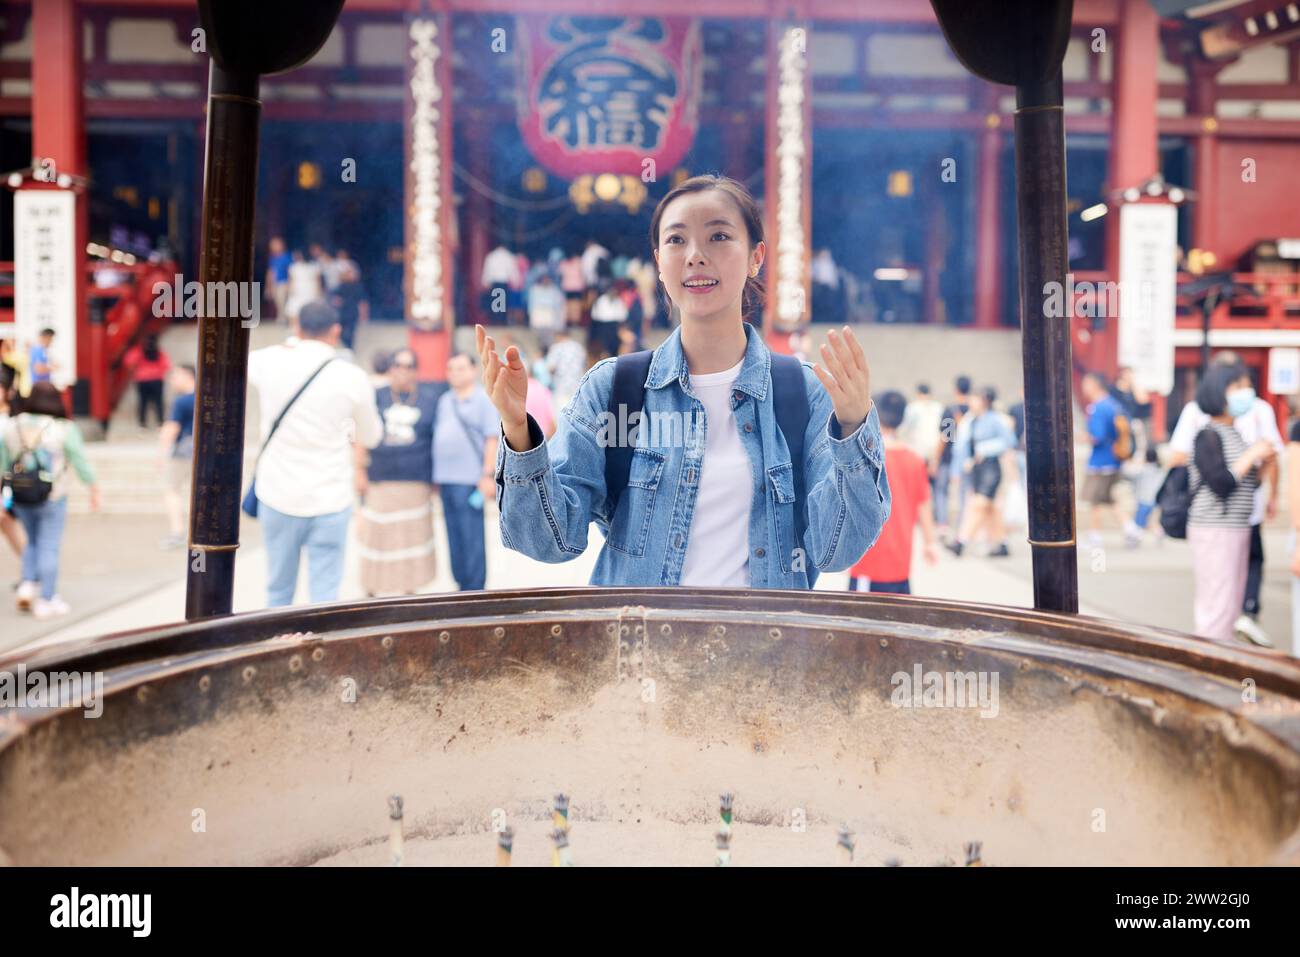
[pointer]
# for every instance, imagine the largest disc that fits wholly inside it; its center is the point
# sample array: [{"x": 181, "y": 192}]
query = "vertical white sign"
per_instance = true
[
  {"x": 45, "y": 263},
  {"x": 1284, "y": 371},
  {"x": 1148, "y": 277}
]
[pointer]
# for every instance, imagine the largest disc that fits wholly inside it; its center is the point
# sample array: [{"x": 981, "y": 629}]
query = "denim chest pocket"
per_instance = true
[
  {"x": 631, "y": 525},
  {"x": 780, "y": 480}
]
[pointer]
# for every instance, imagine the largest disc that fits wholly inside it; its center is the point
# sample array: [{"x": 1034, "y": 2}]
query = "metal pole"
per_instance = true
[
  {"x": 1049, "y": 416},
  {"x": 229, "y": 193}
]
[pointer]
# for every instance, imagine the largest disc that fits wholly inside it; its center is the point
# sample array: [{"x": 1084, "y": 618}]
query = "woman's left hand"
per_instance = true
[{"x": 846, "y": 378}]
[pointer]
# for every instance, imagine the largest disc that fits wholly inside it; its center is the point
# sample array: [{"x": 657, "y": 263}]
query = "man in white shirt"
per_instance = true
[
  {"x": 1259, "y": 423},
  {"x": 305, "y": 473}
]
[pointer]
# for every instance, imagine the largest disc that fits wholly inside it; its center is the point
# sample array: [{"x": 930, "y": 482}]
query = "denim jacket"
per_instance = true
[{"x": 549, "y": 495}]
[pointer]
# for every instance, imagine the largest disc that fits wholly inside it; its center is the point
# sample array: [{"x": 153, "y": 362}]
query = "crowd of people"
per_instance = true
[
  {"x": 293, "y": 280},
  {"x": 613, "y": 296}
]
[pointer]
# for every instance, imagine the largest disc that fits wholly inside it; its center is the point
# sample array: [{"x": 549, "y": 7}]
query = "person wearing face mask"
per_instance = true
[
  {"x": 1254, "y": 420},
  {"x": 1223, "y": 474},
  {"x": 711, "y": 489}
]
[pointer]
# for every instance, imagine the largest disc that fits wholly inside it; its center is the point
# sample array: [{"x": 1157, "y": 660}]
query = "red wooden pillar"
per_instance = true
[
  {"x": 1201, "y": 97},
  {"x": 1134, "y": 156},
  {"x": 428, "y": 201},
  {"x": 787, "y": 268},
  {"x": 59, "y": 134},
  {"x": 988, "y": 218}
]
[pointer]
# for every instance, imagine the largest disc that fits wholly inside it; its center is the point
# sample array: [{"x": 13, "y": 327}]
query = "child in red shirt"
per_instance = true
[{"x": 889, "y": 562}]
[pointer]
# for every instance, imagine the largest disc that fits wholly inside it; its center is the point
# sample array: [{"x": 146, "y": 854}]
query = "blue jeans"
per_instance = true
[
  {"x": 323, "y": 536},
  {"x": 464, "y": 537},
  {"x": 44, "y": 527}
]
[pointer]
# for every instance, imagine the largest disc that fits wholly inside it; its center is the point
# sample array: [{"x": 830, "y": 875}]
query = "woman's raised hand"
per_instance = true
[
  {"x": 847, "y": 378},
  {"x": 506, "y": 383}
]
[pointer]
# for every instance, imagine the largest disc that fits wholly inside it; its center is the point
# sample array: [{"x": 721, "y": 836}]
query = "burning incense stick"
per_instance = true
[
  {"x": 505, "y": 841},
  {"x": 395, "y": 829}
]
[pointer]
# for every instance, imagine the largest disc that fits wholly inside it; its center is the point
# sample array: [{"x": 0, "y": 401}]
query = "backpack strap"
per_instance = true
[
  {"x": 790, "y": 401},
  {"x": 628, "y": 393}
]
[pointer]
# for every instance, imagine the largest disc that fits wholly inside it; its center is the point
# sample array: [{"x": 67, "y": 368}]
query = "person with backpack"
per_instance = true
[
  {"x": 37, "y": 447},
  {"x": 709, "y": 461},
  {"x": 1222, "y": 475},
  {"x": 1112, "y": 444}
]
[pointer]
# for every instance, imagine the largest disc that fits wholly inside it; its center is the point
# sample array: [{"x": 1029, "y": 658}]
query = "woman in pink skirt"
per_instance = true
[{"x": 1223, "y": 475}]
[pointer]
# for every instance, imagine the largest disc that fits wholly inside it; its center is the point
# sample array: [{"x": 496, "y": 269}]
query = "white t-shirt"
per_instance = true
[
  {"x": 717, "y": 547},
  {"x": 307, "y": 468},
  {"x": 1259, "y": 423}
]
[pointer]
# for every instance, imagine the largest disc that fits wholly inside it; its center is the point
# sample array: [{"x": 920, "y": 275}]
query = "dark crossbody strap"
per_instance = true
[
  {"x": 289, "y": 405},
  {"x": 630, "y": 372},
  {"x": 790, "y": 399}
]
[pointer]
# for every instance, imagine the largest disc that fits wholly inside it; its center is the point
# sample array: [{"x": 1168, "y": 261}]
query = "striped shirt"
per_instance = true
[{"x": 1207, "y": 508}]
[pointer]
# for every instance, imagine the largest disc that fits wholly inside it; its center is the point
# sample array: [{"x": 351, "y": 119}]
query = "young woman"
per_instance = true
[
  {"x": 711, "y": 502},
  {"x": 41, "y": 440},
  {"x": 1223, "y": 473}
]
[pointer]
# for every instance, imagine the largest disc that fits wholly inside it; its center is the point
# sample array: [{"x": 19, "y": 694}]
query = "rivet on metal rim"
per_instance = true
[
  {"x": 665, "y": 629},
  {"x": 957, "y": 654},
  {"x": 884, "y": 642},
  {"x": 205, "y": 683},
  {"x": 295, "y": 663},
  {"x": 317, "y": 654},
  {"x": 774, "y": 634},
  {"x": 499, "y": 632},
  {"x": 143, "y": 694},
  {"x": 830, "y": 636},
  {"x": 556, "y": 631},
  {"x": 612, "y": 628},
  {"x": 248, "y": 674},
  {"x": 387, "y": 641},
  {"x": 444, "y": 636}
]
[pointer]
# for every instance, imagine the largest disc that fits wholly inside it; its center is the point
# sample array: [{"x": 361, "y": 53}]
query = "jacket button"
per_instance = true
[
  {"x": 760, "y": 552},
  {"x": 749, "y": 426}
]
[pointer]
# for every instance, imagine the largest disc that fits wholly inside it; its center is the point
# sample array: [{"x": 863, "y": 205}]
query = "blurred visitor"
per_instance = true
[
  {"x": 1146, "y": 486},
  {"x": 943, "y": 453},
  {"x": 919, "y": 430},
  {"x": 545, "y": 305},
  {"x": 277, "y": 275},
  {"x": 305, "y": 475},
  {"x": 1258, "y": 421},
  {"x": 304, "y": 287},
  {"x": 1293, "y": 539},
  {"x": 349, "y": 301},
  {"x": 887, "y": 565},
  {"x": 566, "y": 360},
  {"x": 1107, "y": 432},
  {"x": 37, "y": 448},
  {"x": 41, "y": 365},
  {"x": 988, "y": 436},
  {"x": 395, "y": 533},
  {"x": 608, "y": 314},
  {"x": 1224, "y": 473},
  {"x": 575, "y": 289},
  {"x": 466, "y": 431},
  {"x": 176, "y": 454},
  {"x": 148, "y": 365}
]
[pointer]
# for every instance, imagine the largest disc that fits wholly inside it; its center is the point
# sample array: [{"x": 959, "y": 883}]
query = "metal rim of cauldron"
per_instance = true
[{"x": 1094, "y": 645}]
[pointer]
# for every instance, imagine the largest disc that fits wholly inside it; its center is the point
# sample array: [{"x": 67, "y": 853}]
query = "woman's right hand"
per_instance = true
[{"x": 506, "y": 383}]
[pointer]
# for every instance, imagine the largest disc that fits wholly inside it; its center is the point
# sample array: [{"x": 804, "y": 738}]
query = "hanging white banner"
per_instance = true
[
  {"x": 1148, "y": 278},
  {"x": 45, "y": 263}
]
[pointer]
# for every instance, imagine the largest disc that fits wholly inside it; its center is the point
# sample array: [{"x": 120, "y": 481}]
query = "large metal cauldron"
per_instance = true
[{"x": 232, "y": 740}]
